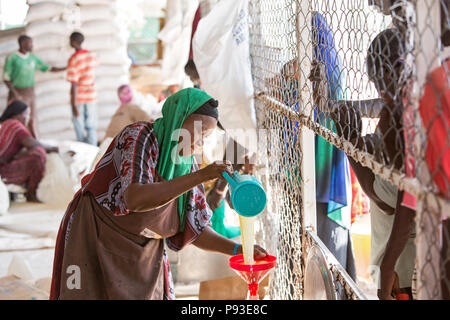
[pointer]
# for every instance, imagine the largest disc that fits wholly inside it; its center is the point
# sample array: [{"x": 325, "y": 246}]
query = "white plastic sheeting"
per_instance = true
[
  {"x": 222, "y": 57},
  {"x": 4, "y": 199},
  {"x": 176, "y": 38},
  {"x": 56, "y": 187}
]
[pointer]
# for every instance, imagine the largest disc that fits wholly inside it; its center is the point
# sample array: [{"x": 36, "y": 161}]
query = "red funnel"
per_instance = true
[{"x": 253, "y": 274}]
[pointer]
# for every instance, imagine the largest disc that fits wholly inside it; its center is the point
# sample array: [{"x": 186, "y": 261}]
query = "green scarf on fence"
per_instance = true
[{"x": 174, "y": 112}]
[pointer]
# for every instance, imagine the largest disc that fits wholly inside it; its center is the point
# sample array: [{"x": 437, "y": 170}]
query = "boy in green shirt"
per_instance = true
[{"x": 18, "y": 75}]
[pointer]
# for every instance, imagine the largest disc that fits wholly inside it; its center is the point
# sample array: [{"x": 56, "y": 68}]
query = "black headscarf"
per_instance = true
[
  {"x": 209, "y": 108},
  {"x": 13, "y": 109}
]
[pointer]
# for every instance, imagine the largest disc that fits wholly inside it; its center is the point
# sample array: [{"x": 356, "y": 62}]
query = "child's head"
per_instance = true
[
  {"x": 76, "y": 40},
  {"x": 125, "y": 94},
  {"x": 385, "y": 64},
  {"x": 25, "y": 43}
]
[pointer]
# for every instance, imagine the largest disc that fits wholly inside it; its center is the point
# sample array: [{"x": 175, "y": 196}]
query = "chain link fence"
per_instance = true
[{"x": 370, "y": 78}]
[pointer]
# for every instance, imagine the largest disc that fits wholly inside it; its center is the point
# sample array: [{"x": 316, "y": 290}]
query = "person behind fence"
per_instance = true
[
  {"x": 22, "y": 157},
  {"x": 83, "y": 95},
  {"x": 433, "y": 114},
  {"x": 18, "y": 75},
  {"x": 392, "y": 224},
  {"x": 127, "y": 113},
  {"x": 144, "y": 194},
  {"x": 333, "y": 185},
  {"x": 393, "y": 249}
]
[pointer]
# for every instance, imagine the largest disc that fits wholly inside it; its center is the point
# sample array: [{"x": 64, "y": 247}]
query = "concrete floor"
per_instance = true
[{"x": 28, "y": 233}]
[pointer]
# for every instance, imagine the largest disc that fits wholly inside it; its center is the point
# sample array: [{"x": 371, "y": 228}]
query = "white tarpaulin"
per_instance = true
[
  {"x": 222, "y": 57},
  {"x": 176, "y": 38}
]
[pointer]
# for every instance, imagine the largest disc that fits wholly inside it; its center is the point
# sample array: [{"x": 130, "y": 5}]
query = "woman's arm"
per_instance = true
[
  {"x": 30, "y": 143},
  {"x": 144, "y": 197},
  {"x": 401, "y": 231},
  {"x": 210, "y": 240},
  {"x": 57, "y": 69}
]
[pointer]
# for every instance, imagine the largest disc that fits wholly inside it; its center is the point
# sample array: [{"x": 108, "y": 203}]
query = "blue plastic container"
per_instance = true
[{"x": 247, "y": 194}]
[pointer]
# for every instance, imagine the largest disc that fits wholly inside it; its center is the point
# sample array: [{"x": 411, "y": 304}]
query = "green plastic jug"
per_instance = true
[{"x": 247, "y": 194}]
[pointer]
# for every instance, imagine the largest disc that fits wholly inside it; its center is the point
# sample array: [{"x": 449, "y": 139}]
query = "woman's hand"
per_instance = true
[
  {"x": 213, "y": 199},
  {"x": 258, "y": 252},
  {"x": 50, "y": 149},
  {"x": 348, "y": 122},
  {"x": 248, "y": 167},
  {"x": 320, "y": 91},
  {"x": 215, "y": 170}
]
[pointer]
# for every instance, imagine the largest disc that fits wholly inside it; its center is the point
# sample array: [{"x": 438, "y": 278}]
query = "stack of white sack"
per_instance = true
[
  {"x": 8, "y": 45},
  {"x": 50, "y": 23},
  {"x": 107, "y": 37}
]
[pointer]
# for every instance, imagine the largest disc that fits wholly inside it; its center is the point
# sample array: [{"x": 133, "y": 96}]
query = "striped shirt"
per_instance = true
[
  {"x": 81, "y": 70},
  {"x": 12, "y": 133}
]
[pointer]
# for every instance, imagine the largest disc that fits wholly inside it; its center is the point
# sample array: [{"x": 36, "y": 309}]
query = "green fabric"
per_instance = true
[
  {"x": 174, "y": 112},
  {"x": 20, "y": 70},
  {"x": 218, "y": 225}
]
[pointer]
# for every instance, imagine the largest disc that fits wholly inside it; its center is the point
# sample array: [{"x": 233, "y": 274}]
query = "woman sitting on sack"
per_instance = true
[{"x": 22, "y": 157}]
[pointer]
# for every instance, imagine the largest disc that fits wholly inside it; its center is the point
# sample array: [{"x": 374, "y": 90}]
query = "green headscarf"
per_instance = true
[{"x": 175, "y": 110}]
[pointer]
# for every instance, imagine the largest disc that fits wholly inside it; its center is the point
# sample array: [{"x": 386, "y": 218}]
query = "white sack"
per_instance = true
[
  {"x": 94, "y": 12},
  {"x": 100, "y": 27},
  {"x": 104, "y": 42},
  {"x": 8, "y": 47},
  {"x": 47, "y": 10},
  {"x": 92, "y": 2},
  {"x": 68, "y": 134},
  {"x": 50, "y": 86},
  {"x": 4, "y": 199},
  {"x": 50, "y": 41},
  {"x": 81, "y": 162},
  {"x": 222, "y": 57},
  {"x": 32, "y": 2},
  {"x": 57, "y": 112},
  {"x": 53, "y": 99},
  {"x": 176, "y": 38},
  {"x": 56, "y": 187},
  {"x": 56, "y": 57},
  {"x": 43, "y": 27},
  {"x": 52, "y": 126},
  {"x": 116, "y": 57}
]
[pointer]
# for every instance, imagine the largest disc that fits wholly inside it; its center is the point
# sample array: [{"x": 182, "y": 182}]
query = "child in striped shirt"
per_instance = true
[{"x": 83, "y": 95}]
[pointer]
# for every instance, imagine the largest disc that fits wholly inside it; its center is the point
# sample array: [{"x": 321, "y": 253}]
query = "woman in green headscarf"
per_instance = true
[{"x": 145, "y": 193}]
